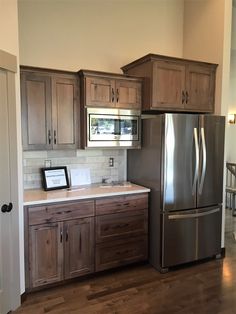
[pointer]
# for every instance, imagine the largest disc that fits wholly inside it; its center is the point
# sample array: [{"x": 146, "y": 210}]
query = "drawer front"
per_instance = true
[
  {"x": 118, "y": 253},
  {"x": 121, "y": 204},
  {"x": 115, "y": 226},
  {"x": 60, "y": 212}
]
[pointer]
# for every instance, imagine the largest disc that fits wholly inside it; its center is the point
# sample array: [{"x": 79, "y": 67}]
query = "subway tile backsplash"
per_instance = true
[{"x": 97, "y": 160}]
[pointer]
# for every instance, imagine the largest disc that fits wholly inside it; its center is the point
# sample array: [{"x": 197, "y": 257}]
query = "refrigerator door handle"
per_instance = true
[
  {"x": 197, "y": 161},
  {"x": 185, "y": 216},
  {"x": 203, "y": 161}
]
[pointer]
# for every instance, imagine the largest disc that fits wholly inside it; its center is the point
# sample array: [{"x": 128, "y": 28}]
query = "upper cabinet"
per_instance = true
[
  {"x": 49, "y": 102},
  {"x": 173, "y": 84},
  {"x": 100, "y": 89}
]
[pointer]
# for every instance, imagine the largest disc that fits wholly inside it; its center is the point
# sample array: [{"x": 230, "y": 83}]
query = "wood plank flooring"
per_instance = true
[{"x": 207, "y": 288}]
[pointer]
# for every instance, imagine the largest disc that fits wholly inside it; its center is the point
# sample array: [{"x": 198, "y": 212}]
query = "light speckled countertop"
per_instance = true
[{"x": 37, "y": 197}]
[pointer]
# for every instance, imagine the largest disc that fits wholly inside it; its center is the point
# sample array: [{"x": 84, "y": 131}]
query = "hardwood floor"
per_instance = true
[{"x": 206, "y": 288}]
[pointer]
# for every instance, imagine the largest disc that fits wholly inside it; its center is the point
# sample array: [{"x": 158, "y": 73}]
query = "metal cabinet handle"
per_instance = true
[
  {"x": 183, "y": 97},
  {"x": 61, "y": 236},
  {"x": 187, "y": 97},
  {"x": 49, "y": 137},
  {"x": 55, "y": 137},
  {"x": 117, "y": 95},
  {"x": 67, "y": 235},
  {"x": 112, "y": 95}
]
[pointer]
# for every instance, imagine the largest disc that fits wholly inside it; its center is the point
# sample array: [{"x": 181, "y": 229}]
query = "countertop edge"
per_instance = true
[{"x": 83, "y": 197}]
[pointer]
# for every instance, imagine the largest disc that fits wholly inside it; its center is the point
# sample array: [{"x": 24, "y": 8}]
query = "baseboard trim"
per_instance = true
[
  {"x": 23, "y": 297},
  {"x": 223, "y": 252}
]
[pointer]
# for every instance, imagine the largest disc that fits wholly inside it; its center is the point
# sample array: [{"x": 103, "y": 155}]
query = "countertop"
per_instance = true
[{"x": 37, "y": 197}]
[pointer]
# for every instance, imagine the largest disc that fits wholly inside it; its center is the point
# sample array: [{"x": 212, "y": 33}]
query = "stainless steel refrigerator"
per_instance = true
[{"x": 181, "y": 161}]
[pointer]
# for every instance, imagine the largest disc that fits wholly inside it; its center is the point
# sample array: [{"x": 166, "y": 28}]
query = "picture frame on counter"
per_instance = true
[{"x": 54, "y": 178}]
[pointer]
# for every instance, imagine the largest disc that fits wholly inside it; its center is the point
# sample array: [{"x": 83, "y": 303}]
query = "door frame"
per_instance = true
[{"x": 8, "y": 63}]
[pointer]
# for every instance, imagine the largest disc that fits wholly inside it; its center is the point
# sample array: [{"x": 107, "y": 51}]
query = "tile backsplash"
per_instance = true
[{"x": 97, "y": 160}]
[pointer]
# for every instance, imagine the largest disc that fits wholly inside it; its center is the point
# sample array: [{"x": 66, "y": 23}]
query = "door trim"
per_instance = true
[{"x": 8, "y": 61}]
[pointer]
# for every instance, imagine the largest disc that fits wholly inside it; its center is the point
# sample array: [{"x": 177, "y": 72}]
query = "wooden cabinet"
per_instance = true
[
  {"x": 121, "y": 230},
  {"x": 60, "y": 242},
  {"x": 79, "y": 247},
  {"x": 45, "y": 254},
  {"x": 100, "y": 89},
  {"x": 71, "y": 239},
  {"x": 49, "y": 109},
  {"x": 173, "y": 84}
]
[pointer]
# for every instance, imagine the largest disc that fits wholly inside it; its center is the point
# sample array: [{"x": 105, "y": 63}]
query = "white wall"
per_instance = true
[
  {"x": 9, "y": 43},
  {"x": 98, "y": 34}
]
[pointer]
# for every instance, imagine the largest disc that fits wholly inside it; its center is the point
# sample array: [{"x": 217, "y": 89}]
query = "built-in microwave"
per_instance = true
[{"x": 108, "y": 127}]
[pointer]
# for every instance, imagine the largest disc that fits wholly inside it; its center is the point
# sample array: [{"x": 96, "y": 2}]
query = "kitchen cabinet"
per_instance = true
[
  {"x": 100, "y": 89},
  {"x": 70, "y": 239},
  {"x": 49, "y": 109},
  {"x": 174, "y": 84},
  {"x": 121, "y": 230},
  {"x": 60, "y": 242}
]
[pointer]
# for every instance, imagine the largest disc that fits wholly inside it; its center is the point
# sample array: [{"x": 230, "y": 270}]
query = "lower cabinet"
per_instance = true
[
  {"x": 45, "y": 254},
  {"x": 71, "y": 239}
]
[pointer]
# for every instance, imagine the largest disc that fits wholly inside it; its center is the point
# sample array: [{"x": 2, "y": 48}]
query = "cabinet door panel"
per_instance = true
[
  {"x": 168, "y": 85},
  {"x": 36, "y": 111},
  {"x": 200, "y": 86},
  {"x": 128, "y": 94},
  {"x": 45, "y": 254},
  {"x": 64, "y": 106},
  {"x": 100, "y": 92},
  {"x": 79, "y": 247}
]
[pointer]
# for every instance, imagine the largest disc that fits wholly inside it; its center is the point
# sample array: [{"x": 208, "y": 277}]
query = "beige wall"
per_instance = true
[{"x": 97, "y": 34}]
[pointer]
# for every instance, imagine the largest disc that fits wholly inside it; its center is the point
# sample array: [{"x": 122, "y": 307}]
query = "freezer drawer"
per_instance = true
[{"x": 190, "y": 235}]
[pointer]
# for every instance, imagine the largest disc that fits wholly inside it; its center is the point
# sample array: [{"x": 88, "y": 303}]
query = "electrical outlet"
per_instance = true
[
  {"x": 111, "y": 162},
  {"x": 47, "y": 163}
]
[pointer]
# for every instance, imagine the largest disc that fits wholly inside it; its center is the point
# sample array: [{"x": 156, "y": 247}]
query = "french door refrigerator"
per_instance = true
[{"x": 181, "y": 161}]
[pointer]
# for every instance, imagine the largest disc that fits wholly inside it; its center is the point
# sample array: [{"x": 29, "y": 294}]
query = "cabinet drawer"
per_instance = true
[
  {"x": 115, "y": 226},
  {"x": 121, "y": 204},
  {"x": 60, "y": 212},
  {"x": 118, "y": 253}
]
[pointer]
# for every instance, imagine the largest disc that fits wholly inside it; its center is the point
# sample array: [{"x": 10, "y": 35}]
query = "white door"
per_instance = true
[{"x": 9, "y": 234}]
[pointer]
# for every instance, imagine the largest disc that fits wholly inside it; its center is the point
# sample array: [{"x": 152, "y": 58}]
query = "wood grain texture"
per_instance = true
[
  {"x": 59, "y": 212},
  {"x": 174, "y": 84},
  {"x": 121, "y": 204},
  {"x": 205, "y": 288},
  {"x": 79, "y": 247}
]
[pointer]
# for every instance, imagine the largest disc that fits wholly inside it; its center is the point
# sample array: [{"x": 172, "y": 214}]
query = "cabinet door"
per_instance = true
[
  {"x": 168, "y": 85},
  {"x": 64, "y": 113},
  {"x": 36, "y": 111},
  {"x": 128, "y": 94},
  {"x": 200, "y": 88},
  {"x": 100, "y": 92},
  {"x": 45, "y": 254},
  {"x": 79, "y": 247}
]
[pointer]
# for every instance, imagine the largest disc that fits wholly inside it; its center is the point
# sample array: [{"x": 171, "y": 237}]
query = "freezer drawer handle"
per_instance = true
[
  {"x": 185, "y": 216},
  {"x": 203, "y": 162},
  {"x": 196, "y": 162}
]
